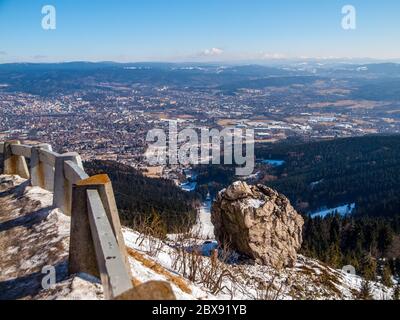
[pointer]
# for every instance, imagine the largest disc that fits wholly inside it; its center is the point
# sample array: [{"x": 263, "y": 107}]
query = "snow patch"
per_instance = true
[
  {"x": 254, "y": 203},
  {"x": 204, "y": 227},
  {"x": 341, "y": 210}
]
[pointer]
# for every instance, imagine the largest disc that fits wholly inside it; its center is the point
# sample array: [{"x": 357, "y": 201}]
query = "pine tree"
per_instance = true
[
  {"x": 334, "y": 256},
  {"x": 387, "y": 276},
  {"x": 385, "y": 239},
  {"x": 365, "y": 291},
  {"x": 368, "y": 267},
  {"x": 396, "y": 292}
]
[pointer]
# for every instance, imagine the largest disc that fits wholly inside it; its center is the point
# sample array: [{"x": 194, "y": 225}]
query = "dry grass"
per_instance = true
[
  {"x": 152, "y": 230},
  {"x": 211, "y": 272},
  {"x": 226, "y": 122},
  {"x": 153, "y": 172},
  {"x": 178, "y": 281},
  {"x": 135, "y": 282}
]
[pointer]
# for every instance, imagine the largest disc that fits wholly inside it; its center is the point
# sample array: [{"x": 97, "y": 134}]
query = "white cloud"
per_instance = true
[{"x": 212, "y": 52}]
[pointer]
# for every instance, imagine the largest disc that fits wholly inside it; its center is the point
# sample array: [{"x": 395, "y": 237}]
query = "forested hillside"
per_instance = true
[
  {"x": 139, "y": 197},
  {"x": 370, "y": 244},
  {"x": 364, "y": 170}
]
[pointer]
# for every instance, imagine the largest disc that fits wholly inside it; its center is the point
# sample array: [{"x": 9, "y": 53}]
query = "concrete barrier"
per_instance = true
[
  {"x": 14, "y": 164},
  {"x": 96, "y": 242},
  {"x": 42, "y": 174},
  {"x": 82, "y": 258},
  {"x": 62, "y": 187},
  {"x": 113, "y": 273}
]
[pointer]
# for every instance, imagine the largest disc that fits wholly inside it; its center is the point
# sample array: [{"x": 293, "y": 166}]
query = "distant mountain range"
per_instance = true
[{"x": 59, "y": 78}]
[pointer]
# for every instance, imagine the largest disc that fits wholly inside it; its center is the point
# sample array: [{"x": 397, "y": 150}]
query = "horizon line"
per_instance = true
[{"x": 242, "y": 61}]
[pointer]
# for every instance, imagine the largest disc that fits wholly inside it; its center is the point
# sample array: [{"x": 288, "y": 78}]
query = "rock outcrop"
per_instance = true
[{"x": 258, "y": 222}]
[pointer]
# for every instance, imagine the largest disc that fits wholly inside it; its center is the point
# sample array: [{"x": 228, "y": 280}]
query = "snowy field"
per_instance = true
[{"x": 344, "y": 210}]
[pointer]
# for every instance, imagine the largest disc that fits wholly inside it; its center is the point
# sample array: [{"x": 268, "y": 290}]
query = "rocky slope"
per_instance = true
[{"x": 33, "y": 235}]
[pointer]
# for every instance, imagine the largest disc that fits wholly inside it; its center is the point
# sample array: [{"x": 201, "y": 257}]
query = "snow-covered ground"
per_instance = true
[
  {"x": 274, "y": 163},
  {"x": 188, "y": 186},
  {"x": 308, "y": 279},
  {"x": 33, "y": 238},
  {"x": 204, "y": 228},
  {"x": 34, "y": 235},
  {"x": 341, "y": 210}
]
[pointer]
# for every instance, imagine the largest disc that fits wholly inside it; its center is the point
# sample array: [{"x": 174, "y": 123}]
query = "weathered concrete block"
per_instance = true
[
  {"x": 84, "y": 258},
  {"x": 113, "y": 273},
  {"x": 42, "y": 174},
  {"x": 14, "y": 164},
  {"x": 62, "y": 198},
  {"x": 82, "y": 255},
  {"x": 103, "y": 185}
]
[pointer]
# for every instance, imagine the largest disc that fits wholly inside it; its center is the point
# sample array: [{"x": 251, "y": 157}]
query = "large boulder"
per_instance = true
[{"x": 258, "y": 222}]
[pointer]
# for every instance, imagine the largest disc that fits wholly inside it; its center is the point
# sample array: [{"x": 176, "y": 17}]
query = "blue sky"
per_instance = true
[{"x": 197, "y": 30}]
